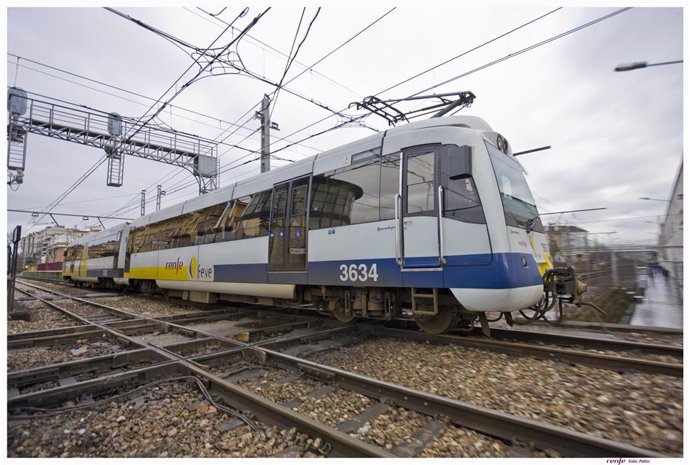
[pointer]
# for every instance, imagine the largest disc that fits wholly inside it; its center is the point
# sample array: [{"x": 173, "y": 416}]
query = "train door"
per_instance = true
[
  {"x": 287, "y": 239},
  {"x": 420, "y": 239}
]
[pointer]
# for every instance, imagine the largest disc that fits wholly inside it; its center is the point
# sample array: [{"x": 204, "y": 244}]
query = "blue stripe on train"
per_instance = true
[{"x": 481, "y": 271}]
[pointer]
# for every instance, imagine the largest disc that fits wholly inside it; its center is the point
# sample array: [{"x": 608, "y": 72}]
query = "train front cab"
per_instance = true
[
  {"x": 457, "y": 228},
  {"x": 520, "y": 251}
]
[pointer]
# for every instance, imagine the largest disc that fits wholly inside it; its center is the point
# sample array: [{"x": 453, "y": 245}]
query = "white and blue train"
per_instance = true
[{"x": 431, "y": 221}]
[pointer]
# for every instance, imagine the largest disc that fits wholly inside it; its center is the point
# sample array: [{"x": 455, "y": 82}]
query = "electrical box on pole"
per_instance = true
[
  {"x": 116, "y": 162},
  {"x": 265, "y": 134},
  {"x": 16, "y": 133},
  {"x": 159, "y": 194}
]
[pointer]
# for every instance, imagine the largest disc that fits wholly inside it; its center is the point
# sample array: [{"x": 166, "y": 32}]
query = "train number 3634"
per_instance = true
[{"x": 361, "y": 272}]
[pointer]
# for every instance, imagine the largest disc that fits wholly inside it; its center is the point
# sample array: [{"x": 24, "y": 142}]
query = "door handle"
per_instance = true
[
  {"x": 441, "y": 258},
  {"x": 398, "y": 230}
]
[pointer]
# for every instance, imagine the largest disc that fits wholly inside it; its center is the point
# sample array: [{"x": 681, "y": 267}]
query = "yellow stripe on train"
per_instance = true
[{"x": 158, "y": 272}]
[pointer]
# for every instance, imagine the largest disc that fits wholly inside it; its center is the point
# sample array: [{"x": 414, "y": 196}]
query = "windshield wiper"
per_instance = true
[{"x": 529, "y": 224}]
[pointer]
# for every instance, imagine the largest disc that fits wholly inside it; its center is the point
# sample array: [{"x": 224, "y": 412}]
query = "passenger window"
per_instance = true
[
  {"x": 390, "y": 183},
  {"x": 420, "y": 184},
  {"x": 365, "y": 178},
  {"x": 331, "y": 202},
  {"x": 254, "y": 221}
]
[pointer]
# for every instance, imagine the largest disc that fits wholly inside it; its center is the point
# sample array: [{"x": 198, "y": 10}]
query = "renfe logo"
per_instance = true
[{"x": 176, "y": 265}]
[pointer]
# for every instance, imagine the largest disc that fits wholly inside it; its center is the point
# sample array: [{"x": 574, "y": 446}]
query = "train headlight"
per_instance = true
[{"x": 502, "y": 144}]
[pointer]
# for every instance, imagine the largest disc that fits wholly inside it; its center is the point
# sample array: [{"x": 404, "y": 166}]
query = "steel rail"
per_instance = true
[
  {"x": 595, "y": 360},
  {"x": 173, "y": 324},
  {"x": 503, "y": 425},
  {"x": 121, "y": 313},
  {"x": 574, "y": 324},
  {"x": 585, "y": 342},
  {"x": 50, "y": 332},
  {"x": 341, "y": 443},
  {"x": 64, "y": 370},
  {"x": 495, "y": 423}
]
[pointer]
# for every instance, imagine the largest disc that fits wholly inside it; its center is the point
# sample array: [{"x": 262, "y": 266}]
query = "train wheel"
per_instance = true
[
  {"x": 440, "y": 323},
  {"x": 337, "y": 309},
  {"x": 343, "y": 317}
]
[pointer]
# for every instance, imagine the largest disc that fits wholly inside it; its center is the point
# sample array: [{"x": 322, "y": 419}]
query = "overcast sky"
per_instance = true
[{"x": 615, "y": 137}]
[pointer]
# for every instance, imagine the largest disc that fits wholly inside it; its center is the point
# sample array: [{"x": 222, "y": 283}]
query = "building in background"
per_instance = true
[
  {"x": 671, "y": 235},
  {"x": 566, "y": 241},
  {"x": 48, "y": 245}
]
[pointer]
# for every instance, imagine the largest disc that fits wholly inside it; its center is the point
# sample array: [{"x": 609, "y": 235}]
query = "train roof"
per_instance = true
[{"x": 99, "y": 234}]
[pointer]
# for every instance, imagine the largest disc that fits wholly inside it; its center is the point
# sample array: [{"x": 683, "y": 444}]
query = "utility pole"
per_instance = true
[
  {"x": 17, "y": 314},
  {"x": 160, "y": 193},
  {"x": 143, "y": 202},
  {"x": 265, "y": 134}
]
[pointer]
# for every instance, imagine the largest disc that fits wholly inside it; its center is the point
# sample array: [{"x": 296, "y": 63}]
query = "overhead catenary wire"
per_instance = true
[
  {"x": 340, "y": 46},
  {"x": 511, "y": 55},
  {"x": 213, "y": 118},
  {"x": 160, "y": 109},
  {"x": 526, "y": 49},
  {"x": 289, "y": 57},
  {"x": 466, "y": 52},
  {"x": 275, "y": 50},
  {"x": 407, "y": 80},
  {"x": 197, "y": 75},
  {"x": 414, "y": 77},
  {"x": 475, "y": 70}
]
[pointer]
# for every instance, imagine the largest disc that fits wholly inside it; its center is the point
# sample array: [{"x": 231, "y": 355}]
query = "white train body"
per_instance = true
[{"x": 432, "y": 205}]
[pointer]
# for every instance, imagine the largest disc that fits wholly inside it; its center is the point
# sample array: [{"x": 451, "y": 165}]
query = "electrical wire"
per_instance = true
[
  {"x": 199, "y": 72},
  {"x": 277, "y": 52},
  {"x": 160, "y": 109},
  {"x": 198, "y": 382},
  {"x": 498, "y": 37},
  {"x": 213, "y": 118},
  {"x": 570, "y": 31},
  {"x": 526, "y": 49},
  {"x": 464, "y": 74},
  {"x": 342, "y": 45},
  {"x": 289, "y": 59}
]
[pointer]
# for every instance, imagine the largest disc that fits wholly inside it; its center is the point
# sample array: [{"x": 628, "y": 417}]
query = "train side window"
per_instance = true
[
  {"x": 365, "y": 178},
  {"x": 462, "y": 202},
  {"x": 331, "y": 203},
  {"x": 390, "y": 183},
  {"x": 255, "y": 218},
  {"x": 229, "y": 221},
  {"x": 420, "y": 183},
  {"x": 207, "y": 225}
]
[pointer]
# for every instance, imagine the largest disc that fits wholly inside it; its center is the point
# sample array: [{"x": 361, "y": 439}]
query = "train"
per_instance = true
[{"x": 432, "y": 221}]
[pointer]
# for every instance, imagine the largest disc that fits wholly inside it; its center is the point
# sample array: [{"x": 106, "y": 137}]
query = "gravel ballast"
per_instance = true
[
  {"x": 168, "y": 420},
  {"x": 643, "y": 410}
]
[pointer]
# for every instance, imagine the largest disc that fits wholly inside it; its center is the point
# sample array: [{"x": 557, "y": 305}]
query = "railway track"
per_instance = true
[
  {"x": 622, "y": 355},
  {"x": 232, "y": 356}
]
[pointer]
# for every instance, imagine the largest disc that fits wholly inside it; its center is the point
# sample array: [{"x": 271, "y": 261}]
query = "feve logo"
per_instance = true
[{"x": 192, "y": 267}]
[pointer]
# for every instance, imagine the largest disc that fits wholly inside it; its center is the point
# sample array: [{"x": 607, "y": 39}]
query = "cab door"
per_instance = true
[{"x": 419, "y": 211}]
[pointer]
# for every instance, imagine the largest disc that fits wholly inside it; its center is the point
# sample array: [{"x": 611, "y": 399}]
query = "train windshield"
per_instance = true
[{"x": 516, "y": 197}]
